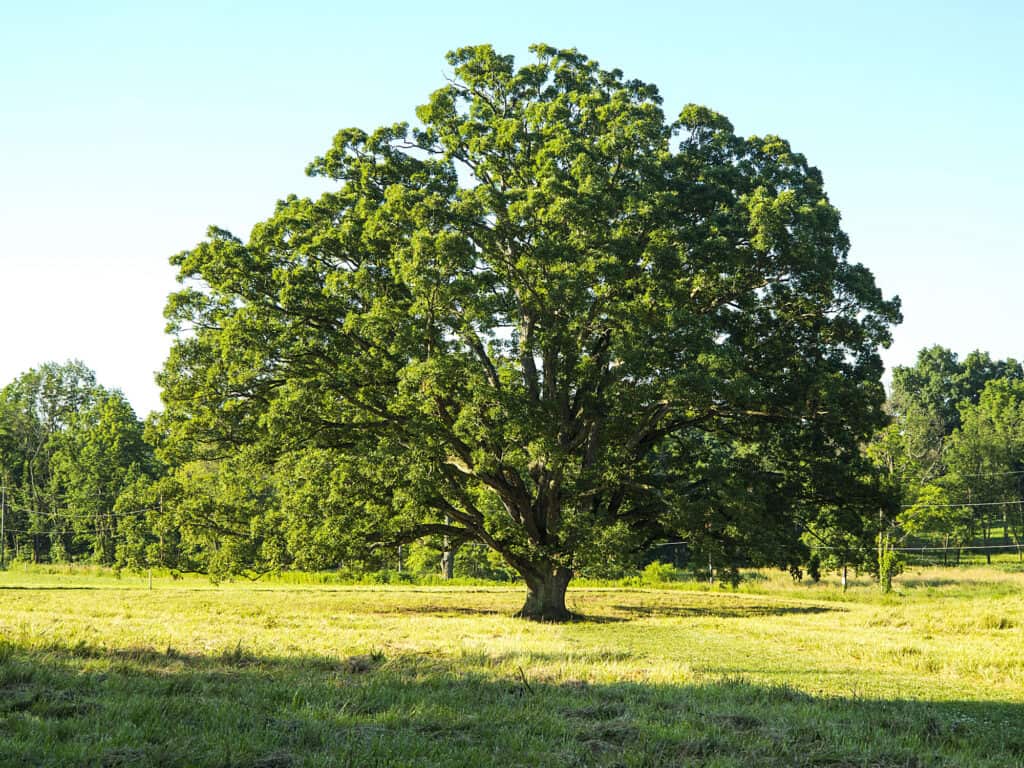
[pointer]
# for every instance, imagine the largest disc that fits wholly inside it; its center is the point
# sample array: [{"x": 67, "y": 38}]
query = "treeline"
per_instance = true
[
  {"x": 72, "y": 456},
  {"x": 954, "y": 453},
  {"x": 951, "y": 461},
  {"x": 84, "y": 479}
]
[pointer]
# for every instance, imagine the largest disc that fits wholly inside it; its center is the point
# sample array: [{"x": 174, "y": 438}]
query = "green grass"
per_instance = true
[{"x": 101, "y": 671}]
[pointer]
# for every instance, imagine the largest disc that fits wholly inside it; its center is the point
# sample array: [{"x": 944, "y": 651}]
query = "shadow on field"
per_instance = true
[
  {"x": 49, "y": 588},
  {"x": 916, "y": 582},
  {"x": 433, "y": 609},
  {"x": 89, "y": 706},
  {"x": 717, "y": 611}
]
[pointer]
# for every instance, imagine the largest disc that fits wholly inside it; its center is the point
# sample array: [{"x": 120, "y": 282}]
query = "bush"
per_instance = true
[{"x": 661, "y": 573}]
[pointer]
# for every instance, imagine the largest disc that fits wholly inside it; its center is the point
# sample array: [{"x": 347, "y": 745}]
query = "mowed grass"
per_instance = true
[{"x": 98, "y": 671}]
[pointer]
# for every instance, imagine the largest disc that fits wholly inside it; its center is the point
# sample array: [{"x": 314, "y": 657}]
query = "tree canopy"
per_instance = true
[{"x": 544, "y": 318}]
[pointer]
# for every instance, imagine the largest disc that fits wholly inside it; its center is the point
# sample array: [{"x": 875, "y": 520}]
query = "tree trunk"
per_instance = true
[
  {"x": 447, "y": 555},
  {"x": 447, "y": 561},
  {"x": 545, "y": 595}
]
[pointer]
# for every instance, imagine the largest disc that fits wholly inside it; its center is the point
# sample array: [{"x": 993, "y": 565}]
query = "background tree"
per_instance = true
[
  {"x": 956, "y": 432},
  {"x": 937, "y": 520},
  {"x": 926, "y": 401},
  {"x": 68, "y": 449},
  {"x": 985, "y": 456},
  {"x": 95, "y": 459},
  {"x": 541, "y": 321},
  {"x": 35, "y": 408}
]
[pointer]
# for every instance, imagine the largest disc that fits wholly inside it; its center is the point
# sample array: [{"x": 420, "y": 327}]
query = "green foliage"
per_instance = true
[
  {"x": 68, "y": 450},
  {"x": 958, "y": 472},
  {"x": 660, "y": 573},
  {"x": 547, "y": 320},
  {"x": 474, "y": 561},
  {"x": 889, "y": 565},
  {"x": 954, "y": 451},
  {"x": 96, "y": 458},
  {"x": 34, "y": 409},
  {"x": 928, "y": 401},
  {"x": 935, "y": 519}
]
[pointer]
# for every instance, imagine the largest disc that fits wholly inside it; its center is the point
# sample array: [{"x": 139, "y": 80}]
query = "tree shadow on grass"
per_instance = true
[
  {"x": 87, "y": 706},
  {"x": 60, "y": 588},
  {"x": 719, "y": 611},
  {"x": 582, "y": 610},
  {"x": 920, "y": 582},
  {"x": 436, "y": 610}
]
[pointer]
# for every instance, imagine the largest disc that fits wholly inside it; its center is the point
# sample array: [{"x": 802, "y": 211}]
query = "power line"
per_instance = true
[
  {"x": 968, "y": 504},
  {"x": 84, "y": 515},
  {"x": 991, "y": 474},
  {"x": 946, "y": 549},
  {"x": 88, "y": 516},
  {"x": 905, "y": 472},
  {"x": 996, "y": 474},
  {"x": 113, "y": 536},
  {"x": 920, "y": 549}
]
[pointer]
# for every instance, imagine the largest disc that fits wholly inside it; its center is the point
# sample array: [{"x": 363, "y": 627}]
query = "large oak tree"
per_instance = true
[{"x": 545, "y": 319}]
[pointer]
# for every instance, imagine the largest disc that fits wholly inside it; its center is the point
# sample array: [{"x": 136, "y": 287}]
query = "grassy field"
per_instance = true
[{"x": 100, "y": 671}]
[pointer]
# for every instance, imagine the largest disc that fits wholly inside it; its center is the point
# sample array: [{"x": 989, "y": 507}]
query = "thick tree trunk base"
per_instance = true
[{"x": 545, "y": 597}]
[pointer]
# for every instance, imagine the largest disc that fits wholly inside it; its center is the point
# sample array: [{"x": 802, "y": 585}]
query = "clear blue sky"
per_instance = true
[{"x": 127, "y": 128}]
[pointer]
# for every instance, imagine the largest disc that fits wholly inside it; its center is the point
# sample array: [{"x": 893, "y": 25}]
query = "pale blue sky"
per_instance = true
[{"x": 126, "y": 128}]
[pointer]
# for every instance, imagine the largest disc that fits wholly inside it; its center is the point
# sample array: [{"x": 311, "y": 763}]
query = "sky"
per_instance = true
[{"x": 127, "y": 128}]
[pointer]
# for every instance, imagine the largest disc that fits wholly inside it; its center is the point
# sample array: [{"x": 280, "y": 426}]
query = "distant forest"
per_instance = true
[{"x": 85, "y": 480}]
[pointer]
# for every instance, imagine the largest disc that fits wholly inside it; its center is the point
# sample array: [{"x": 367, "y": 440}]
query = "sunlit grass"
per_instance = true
[{"x": 98, "y": 670}]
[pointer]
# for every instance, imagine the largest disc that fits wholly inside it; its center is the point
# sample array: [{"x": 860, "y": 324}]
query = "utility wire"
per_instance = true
[
  {"x": 968, "y": 504},
  {"x": 920, "y": 549},
  {"x": 117, "y": 536},
  {"x": 83, "y": 515},
  {"x": 993, "y": 474}
]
